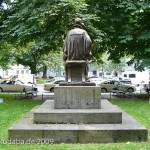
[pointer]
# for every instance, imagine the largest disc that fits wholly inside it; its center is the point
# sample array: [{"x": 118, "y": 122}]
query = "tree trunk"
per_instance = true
[
  {"x": 45, "y": 72},
  {"x": 33, "y": 68}
]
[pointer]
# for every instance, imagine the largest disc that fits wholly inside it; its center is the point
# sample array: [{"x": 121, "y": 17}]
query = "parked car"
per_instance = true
[
  {"x": 15, "y": 86},
  {"x": 127, "y": 81},
  {"x": 108, "y": 85},
  {"x": 51, "y": 80},
  {"x": 54, "y": 79},
  {"x": 96, "y": 80},
  {"x": 49, "y": 85}
]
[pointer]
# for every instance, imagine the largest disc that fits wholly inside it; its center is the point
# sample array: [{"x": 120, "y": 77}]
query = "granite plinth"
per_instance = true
[
  {"x": 26, "y": 131},
  {"x": 77, "y": 97},
  {"x": 107, "y": 114}
]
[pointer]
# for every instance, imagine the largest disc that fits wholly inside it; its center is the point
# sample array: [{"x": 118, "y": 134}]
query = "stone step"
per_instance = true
[
  {"x": 26, "y": 132},
  {"x": 107, "y": 114}
]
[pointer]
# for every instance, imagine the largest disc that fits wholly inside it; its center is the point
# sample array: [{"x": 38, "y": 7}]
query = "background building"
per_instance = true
[{"x": 14, "y": 70}]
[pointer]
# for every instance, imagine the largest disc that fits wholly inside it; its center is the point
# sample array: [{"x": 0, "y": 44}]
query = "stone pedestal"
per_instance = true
[
  {"x": 77, "y": 97},
  {"x": 76, "y": 70},
  {"x": 108, "y": 114},
  {"x": 25, "y": 131},
  {"x": 77, "y": 115}
]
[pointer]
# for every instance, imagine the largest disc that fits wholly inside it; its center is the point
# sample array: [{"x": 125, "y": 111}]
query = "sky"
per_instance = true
[{"x": 5, "y": 6}]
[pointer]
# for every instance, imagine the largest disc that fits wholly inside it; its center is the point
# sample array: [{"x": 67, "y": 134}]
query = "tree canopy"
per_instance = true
[
  {"x": 125, "y": 26},
  {"x": 35, "y": 28}
]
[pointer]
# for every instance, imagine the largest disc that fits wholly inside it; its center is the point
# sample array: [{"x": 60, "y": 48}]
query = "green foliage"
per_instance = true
[
  {"x": 118, "y": 27},
  {"x": 41, "y": 22},
  {"x": 6, "y": 50},
  {"x": 53, "y": 60},
  {"x": 109, "y": 66},
  {"x": 125, "y": 26},
  {"x": 39, "y": 27},
  {"x": 6, "y": 55}
]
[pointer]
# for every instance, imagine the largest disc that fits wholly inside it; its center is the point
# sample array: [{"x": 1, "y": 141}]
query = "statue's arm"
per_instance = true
[
  {"x": 88, "y": 46},
  {"x": 65, "y": 52}
]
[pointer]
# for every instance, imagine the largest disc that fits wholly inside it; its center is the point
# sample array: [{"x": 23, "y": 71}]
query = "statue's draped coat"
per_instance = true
[{"x": 77, "y": 45}]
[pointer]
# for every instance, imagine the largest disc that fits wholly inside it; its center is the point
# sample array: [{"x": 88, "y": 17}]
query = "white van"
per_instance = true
[
  {"x": 136, "y": 77},
  {"x": 28, "y": 78}
]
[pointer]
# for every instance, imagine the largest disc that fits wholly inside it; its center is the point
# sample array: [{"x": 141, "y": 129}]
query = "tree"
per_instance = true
[
  {"x": 118, "y": 27},
  {"x": 52, "y": 61},
  {"x": 6, "y": 50},
  {"x": 43, "y": 28},
  {"x": 125, "y": 26},
  {"x": 109, "y": 66}
]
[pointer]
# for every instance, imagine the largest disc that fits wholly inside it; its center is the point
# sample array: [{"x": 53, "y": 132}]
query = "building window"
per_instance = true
[
  {"x": 17, "y": 71},
  {"x": 125, "y": 75},
  {"x": 108, "y": 73},
  {"x": 132, "y": 76},
  {"x": 6, "y": 72},
  {"x": 22, "y": 71},
  {"x": 27, "y": 71}
]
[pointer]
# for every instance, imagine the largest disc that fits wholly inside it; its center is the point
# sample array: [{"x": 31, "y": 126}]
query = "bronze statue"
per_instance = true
[
  {"x": 77, "y": 50},
  {"x": 77, "y": 44}
]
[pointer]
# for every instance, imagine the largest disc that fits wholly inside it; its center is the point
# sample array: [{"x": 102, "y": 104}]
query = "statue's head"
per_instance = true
[{"x": 78, "y": 23}]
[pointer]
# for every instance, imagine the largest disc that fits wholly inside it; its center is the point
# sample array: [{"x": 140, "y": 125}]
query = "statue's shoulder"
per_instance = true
[{"x": 76, "y": 31}]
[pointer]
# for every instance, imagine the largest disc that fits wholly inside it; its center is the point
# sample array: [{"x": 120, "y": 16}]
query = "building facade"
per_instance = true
[{"x": 14, "y": 70}]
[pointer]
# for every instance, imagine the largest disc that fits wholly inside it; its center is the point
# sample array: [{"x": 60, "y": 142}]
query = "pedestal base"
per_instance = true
[
  {"x": 77, "y": 84},
  {"x": 77, "y": 97},
  {"x": 108, "y": 114},
  {"x": 25, "y": 131}
]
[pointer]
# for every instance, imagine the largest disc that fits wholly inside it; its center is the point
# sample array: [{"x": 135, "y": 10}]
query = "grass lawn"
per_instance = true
[
  {"x": 41, "y": 81},
  {"x": 12, "y": 110}
]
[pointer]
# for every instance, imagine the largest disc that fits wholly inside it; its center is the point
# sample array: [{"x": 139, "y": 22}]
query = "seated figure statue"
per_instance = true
[{"x": 77, "y": 50}]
